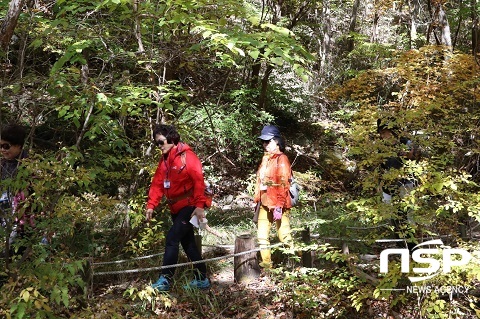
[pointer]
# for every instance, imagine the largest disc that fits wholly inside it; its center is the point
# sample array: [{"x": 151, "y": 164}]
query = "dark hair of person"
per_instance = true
[
  {"x": 168, "y": 131},
  {"x": 15, "y": 134},
  {"x": 280, "y": 141}
]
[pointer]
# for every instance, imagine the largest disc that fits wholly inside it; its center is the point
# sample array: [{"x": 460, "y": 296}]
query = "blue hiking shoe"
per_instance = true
[
  {"x": 198, "y": 284},
  {"x": 161, "y": 284}
]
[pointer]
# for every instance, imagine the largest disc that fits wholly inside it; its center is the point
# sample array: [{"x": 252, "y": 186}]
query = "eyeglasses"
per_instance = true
[
  {"x": 160, "y": 142},
  {"x": 5, "y": 146}
]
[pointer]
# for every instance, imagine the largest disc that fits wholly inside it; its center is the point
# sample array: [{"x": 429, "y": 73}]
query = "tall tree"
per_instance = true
[
  {"x": 10, "y": 22},
  {"x": 327, "y": 43},
  {"x": 440, "y": 23},
  {"x": 414, "y": 11},
  {"x": 284, "y": 14},
  {"x": 475, "y": 28},
  {"x": 353, "y": 24}
]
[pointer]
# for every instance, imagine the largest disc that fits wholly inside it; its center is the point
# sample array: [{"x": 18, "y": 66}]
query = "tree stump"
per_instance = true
[{"x": 245, "y": 267}]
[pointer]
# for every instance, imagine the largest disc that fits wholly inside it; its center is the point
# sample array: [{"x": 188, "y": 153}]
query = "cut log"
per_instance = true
[{"x": 246, "y": 266}]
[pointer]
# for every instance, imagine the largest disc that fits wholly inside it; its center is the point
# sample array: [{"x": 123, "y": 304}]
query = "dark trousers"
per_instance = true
[{"x": 182, "y": 233}]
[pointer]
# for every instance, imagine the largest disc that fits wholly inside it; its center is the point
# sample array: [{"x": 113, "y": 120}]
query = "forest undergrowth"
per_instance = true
[{"x": 344, "y": 281}]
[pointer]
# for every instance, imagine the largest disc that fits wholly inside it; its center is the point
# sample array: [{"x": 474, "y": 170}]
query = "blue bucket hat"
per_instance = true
[{"x": 268, "y": 132}]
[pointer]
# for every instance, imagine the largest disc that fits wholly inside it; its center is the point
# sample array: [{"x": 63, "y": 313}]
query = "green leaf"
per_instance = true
[
  {"x": 438, "y": 186},
  {"x": 254, "y": 54},
  {"x": 22, "y": 307},
  {"x": 36, "y": 43},
  {"x": 277, "y": 61},
  {"x": 102, "y": 98},
  {"x": 65, "y": 298},
  {"x": 254, "y": 20}
]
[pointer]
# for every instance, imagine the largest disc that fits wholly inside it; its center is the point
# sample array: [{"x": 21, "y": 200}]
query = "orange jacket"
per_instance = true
[
  {"x": 187, "y": 186},
  {"x": 273, "y": 181}
]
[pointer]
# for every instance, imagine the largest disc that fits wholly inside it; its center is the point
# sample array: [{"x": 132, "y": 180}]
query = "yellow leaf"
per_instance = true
[{"x": 25, "y": 295}]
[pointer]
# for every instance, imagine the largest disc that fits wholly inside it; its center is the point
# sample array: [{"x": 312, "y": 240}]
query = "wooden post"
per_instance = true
[
  {"x": 198, "y": 242},
  {"x": 87, "y": 276},
  {"x": 306, "y": 254},
  {"x": 462, "y": 229},
  {"x": 343, "y": 234},
  {"x": 245, "y": 267}
]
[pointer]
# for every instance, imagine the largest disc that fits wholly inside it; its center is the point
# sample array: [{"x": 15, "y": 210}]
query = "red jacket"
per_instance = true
[
  {"x": 187, "y": 186},
  {"x": 274, "y": 173}
]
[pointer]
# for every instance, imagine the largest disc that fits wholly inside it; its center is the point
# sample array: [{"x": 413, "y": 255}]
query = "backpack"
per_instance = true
[
  {"x": 294, "y": 190},
  {"x": 209, "y": 190}
]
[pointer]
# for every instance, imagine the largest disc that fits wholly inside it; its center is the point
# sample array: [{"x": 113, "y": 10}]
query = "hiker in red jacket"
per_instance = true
[{"x": 179, "y": 178}]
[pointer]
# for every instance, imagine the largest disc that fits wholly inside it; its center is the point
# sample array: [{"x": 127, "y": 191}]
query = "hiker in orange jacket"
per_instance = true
[
  {"x": 272, "y": 192},
  {"x": 179, "y": 178}
]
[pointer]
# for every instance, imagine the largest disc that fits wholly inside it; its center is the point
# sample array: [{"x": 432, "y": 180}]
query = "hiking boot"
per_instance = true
[
  {"x": 198, "y": 284},
  {"x": 161, "y": 284}
]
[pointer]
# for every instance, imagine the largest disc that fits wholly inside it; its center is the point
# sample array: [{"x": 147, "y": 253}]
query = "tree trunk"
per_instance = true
[
  {"x": 376, "y": 17},
  {"x": 245, "y": 267},
  {"x": 306, "y": 254},
  {"x": 439, "y": 21},
  {"x": 255, "y": 75},
  {"x": 10, "y": 22},
  {"x": 475, "y": 29},
  {"x": 353, "y": 25},
  {"x": 326, "y": 45},
  {"x": 446, "y": 36},
  {"x": 263, "y": 90},
  {"x": 137, "y": 26},
  {"x": 414, "y": 11}
]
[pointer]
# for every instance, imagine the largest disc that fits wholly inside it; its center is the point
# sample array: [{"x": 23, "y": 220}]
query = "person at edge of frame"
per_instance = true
[
  {"x": 12, "y": 140},
  {"x": 388, "y": 132},
  {"x": 272, "y": 193},
  {"x": 181, "y": 181}
]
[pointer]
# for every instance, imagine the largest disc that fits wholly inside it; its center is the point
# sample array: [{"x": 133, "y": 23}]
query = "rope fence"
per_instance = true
[
  {"x": 367, "y": 227},
  {"x": 381, "y": 240},
  {"x": 126, "y": 260},
  {"x": 130, "y": 271},
  {"x": 313, "y": 236}
]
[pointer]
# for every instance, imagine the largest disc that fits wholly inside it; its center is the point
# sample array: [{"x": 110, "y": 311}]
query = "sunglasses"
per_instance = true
[
  {"x": 266, "y": 141},
  {"x": 5, "y": 146},
  {"x": 160, "y": 142}
]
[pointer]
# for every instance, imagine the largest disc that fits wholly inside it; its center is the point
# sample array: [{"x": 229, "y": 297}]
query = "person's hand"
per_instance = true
[
  {"x": 277, "y": 213},
  {"x": 200, "y": 214},
  {"x": 149, "y": 214}
]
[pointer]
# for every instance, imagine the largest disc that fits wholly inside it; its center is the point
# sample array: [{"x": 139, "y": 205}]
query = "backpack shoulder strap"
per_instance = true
[
  {"x": 183, "y": 157},
  {"x": 291, "y": 171}
]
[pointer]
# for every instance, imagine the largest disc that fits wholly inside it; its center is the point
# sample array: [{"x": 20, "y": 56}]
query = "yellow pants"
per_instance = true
[{"x": 265, "y": 220}]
